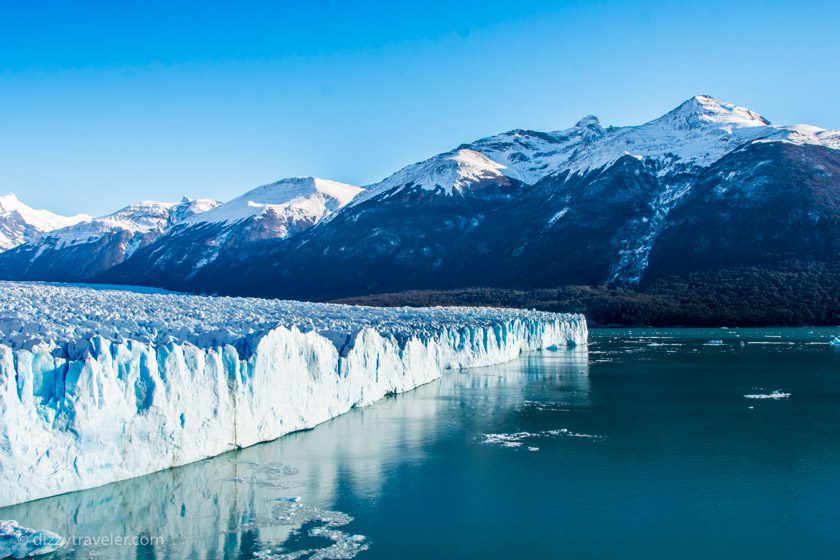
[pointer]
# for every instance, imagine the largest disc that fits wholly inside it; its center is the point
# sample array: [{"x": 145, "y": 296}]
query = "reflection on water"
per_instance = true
[
  {"x": 277, "y": 500},
  {"x": 644, "y": 446}
]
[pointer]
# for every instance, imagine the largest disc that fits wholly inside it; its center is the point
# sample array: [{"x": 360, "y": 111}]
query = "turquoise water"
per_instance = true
[{"x": 642, "y": 446}]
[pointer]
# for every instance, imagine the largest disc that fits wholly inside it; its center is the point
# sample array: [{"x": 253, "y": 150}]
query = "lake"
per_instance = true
[{"x": 650, "y": 443}]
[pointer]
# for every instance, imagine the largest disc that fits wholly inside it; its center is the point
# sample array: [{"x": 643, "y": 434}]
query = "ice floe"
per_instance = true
[
  {"x": 323, "y": 524},
  {"x": 22, "y": 542},
  {"x": 518, "y": 439},
  {"x": 775, "y": 395}
]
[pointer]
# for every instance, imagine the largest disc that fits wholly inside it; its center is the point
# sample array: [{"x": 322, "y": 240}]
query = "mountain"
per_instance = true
[
  {"x": 271, "y": 212},
  {"x": 687, "y": 199},
  {"x": 81, "y": 251},
  {"x": 766, "y": 203},
  {"x": 451, "y": 173},
  {"x": 588, "y": 205},
  {"x": 21, "y": 224},
  {"x": 673, "y": 150},
  {"x": 696, "y": 134}
]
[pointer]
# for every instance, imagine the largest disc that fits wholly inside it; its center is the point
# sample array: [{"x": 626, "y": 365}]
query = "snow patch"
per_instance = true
[{"x": 557, "y": 216}]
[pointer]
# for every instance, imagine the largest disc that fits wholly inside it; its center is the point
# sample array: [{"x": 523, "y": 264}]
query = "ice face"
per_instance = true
[{"x": 98, "y": 386}]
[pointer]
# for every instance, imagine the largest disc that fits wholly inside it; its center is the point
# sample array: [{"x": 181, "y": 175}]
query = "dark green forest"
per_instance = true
[{"x": 794, "y": 294}]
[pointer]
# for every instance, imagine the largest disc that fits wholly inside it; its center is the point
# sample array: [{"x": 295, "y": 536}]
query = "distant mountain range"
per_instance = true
[
  {"x": 708, "y": 187},
  {"x": 21, "y": 224},
  {"x": 93, "y": 246}
]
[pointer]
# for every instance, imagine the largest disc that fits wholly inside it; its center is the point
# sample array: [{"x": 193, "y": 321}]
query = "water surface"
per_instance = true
[{"x": 644, "y": 445}]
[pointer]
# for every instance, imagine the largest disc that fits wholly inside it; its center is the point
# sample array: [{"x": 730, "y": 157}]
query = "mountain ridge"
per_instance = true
[
  {"x": 587, "y": 205},
  {"x": 21, "y": 224}
]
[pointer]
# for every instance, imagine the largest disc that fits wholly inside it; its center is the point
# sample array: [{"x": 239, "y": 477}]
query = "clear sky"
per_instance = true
[{"x": 104, "y": 103}]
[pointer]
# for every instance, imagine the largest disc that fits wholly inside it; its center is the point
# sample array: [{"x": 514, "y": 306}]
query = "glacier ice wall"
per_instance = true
[{"x": 124, "y": 402}]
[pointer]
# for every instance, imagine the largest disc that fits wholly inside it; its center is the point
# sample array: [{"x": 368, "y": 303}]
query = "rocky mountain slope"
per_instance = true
[{"x": 271, "y": 212}]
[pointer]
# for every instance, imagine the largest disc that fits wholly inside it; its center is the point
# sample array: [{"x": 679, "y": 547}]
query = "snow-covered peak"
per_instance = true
[
  {"x": 138, "y": 218},
  {"x": 459, "y": 170},
  {"x": 301, "y": 197},
  {"x": 20, "y": 224},
  {"x": 703, "y": 110},
  {"x": 588, "y": 121},
  {"x": 697, "y": 133},
  {"x": 448, "y": 173},
  {"x": 190, "y": 207}
]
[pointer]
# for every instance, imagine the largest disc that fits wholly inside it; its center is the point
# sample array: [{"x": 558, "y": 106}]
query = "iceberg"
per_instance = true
[
  {"x": 98, "y": 386},
  {"x": 17, "y": 541}
]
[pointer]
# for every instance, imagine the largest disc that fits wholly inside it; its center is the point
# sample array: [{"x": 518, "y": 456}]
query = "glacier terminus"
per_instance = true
[{"x": 98, "y": 386}]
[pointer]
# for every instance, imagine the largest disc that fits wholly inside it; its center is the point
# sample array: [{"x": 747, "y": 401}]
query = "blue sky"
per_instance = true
[{"x": 104, "y": 103}]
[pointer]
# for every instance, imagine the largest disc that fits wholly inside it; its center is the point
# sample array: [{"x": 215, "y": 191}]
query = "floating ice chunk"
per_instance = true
[
  {"x": 507, "y": 440},
  {"x": 568, "y": 433},
  {"x": 775, "y": 395},
  {"x": 21, "y": 542},
  {"x": 327, "y": 525},
  {"x": 289, "y": 500},
  {"x": 517, "y": 439},
  {"x": 547, "y": 406}
]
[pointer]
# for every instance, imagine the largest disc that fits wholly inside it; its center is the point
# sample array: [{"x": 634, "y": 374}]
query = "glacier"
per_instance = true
[
  {"x": 98, "y": 386},
  {"x": 216, "y": 504}
]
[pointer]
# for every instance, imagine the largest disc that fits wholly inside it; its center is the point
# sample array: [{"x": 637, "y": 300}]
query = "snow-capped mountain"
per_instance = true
[
  {"x": 21, "y": 224},
  {"x": 696, "y": 134},
  {"x": 136, "y": 220},
  {"x": 585, "y": 205},
  {"x": 82, "y": 250},
  {"x": 705, "y": 186},
  {"x": 448, "y": 174},
  {"x": 289, "y": 204},
  {"x": 276, "y": 211}
]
